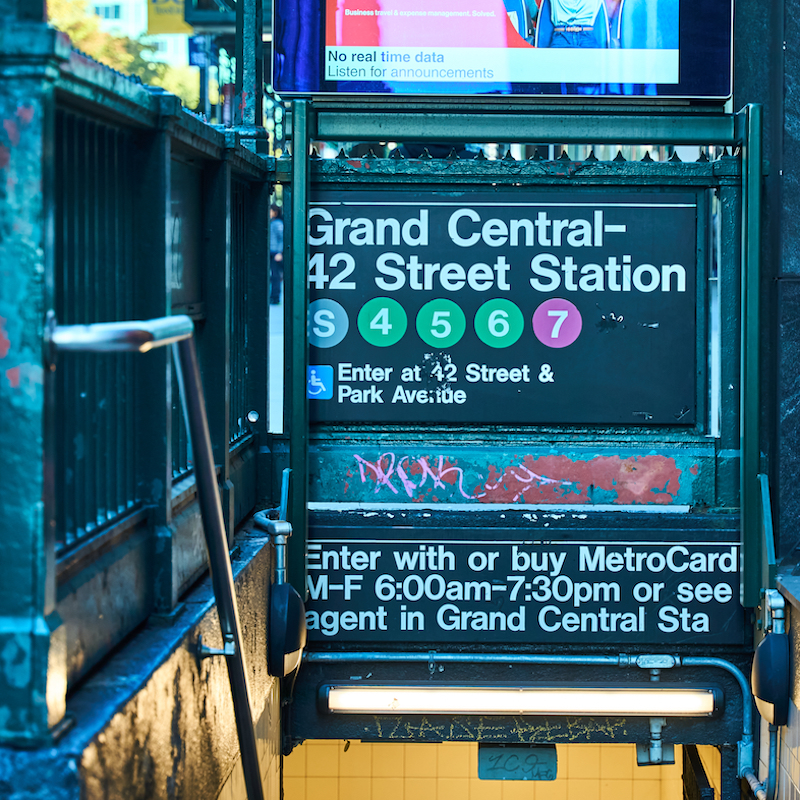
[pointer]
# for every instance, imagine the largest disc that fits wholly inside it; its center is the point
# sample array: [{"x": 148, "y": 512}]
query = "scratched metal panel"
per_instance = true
[{"x": 524, "y": 473}]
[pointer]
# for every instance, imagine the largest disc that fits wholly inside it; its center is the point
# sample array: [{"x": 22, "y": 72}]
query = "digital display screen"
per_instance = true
[{"x": 609, "y": 48}]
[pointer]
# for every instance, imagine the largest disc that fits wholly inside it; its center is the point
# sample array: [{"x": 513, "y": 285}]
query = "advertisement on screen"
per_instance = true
[{"x": 623, "y": 48}]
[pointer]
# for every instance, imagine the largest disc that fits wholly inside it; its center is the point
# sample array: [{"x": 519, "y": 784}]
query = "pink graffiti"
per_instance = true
[
  {"x": 5, "y": 342},
  {"x": 405, "y": 470},
  {"x": 527, "y": 479},
  {"x": 25, "y": 113},
  {"x": 12, "y": 130}
]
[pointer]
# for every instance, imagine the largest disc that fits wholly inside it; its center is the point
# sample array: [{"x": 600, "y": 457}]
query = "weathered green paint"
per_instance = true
[
  {"x": 215, "y": 275},
  {"x": 438, "y": 125},
  {"x": 296, "y": 304},
  {"x": 750, "y": 388},
  {"x": 561, "y": 172},
  {"x": 32, "y": 653},
  {"x": 769, "y": 566}
]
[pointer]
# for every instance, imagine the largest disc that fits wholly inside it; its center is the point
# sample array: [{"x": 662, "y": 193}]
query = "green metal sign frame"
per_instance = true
[{"x": 329, "y": 122}]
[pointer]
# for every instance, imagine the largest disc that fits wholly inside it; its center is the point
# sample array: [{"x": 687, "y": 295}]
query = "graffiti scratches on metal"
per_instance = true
[
  {"x": 487, "y": 729},
  {"x": 388, "y": 467},
  {"x": 532, "y": 479}
]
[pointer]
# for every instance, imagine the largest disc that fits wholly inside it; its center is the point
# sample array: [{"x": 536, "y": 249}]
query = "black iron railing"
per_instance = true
[
  {"x": 239, "y": 402},
  {"x": 94, "y": 231}
]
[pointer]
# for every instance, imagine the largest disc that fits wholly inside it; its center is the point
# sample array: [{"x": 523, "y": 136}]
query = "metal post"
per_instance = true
[
  {"x": 33, "y": 668},
  {"x": 750, "y": 409},
  {"x": 248, "y": 104},
  {"x": 215, "y": 270},
  {"x": 297, "y": 350}
]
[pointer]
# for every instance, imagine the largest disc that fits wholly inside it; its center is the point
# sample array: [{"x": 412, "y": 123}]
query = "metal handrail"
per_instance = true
[{"x": 141, "y": 336}]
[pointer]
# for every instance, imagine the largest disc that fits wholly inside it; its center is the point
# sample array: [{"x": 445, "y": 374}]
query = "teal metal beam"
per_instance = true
[
  {"x": 769, "y": 563},
  {"x": 562, "y": 128},
  {"x": 750, "y": 487},
  {"x": 33, "y": 639},
  {"x": 297, "y": 349}
]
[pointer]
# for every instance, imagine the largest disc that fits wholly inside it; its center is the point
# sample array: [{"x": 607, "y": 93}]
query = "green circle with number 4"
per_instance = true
[
  {"x": 441, "y": 323},
  {"x": 382, "y": 321},
  {"x": 499, "y": 323}
]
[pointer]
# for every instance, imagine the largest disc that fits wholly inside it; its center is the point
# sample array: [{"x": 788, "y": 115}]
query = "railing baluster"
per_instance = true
[{"x": 94, "y": 242}]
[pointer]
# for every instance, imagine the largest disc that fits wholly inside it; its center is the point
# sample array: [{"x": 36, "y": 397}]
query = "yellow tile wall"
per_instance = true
[{"x": 324, "y": 770}]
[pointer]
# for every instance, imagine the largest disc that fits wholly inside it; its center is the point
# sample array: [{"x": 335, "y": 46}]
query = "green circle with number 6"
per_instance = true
[
  {"x": 441, "y": 323},
  {"x": 499, "y": 323},
  {"x": 382, "y": 321}
]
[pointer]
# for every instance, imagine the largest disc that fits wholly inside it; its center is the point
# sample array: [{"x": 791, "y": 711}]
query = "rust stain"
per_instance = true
[
  {"x": 5, "y": 342},
  {"x": 12, "y": 130},
  {"x": 5, "y": 157},
  {"x": 551, "y": 479},
  {"x": 694, "y": 469},
  {"x": 13, "y": 376}
]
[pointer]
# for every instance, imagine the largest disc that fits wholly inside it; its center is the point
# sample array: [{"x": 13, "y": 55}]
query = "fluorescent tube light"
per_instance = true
[{"x": 617, "y": 701}]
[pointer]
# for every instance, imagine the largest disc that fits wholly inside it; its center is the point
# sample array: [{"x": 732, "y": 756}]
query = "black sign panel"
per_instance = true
[
  {"x": 444, "y": 585},
  {"x": 511, "y": 307}
]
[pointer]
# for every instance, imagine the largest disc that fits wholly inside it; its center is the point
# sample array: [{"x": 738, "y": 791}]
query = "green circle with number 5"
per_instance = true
[
  {"x": 382, "y": 321},
  {"x": 499, "y": 323},
  {"x": 441, "y": 323}
]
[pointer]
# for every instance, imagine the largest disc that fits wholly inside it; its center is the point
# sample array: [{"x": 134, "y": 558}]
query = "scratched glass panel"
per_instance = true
[{"x": 517, "y": 762}]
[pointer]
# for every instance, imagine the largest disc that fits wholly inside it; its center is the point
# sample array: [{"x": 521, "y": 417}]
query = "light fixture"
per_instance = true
[
  {"x": 771, "y": 678},
  {"x": 641, "y": 700}
]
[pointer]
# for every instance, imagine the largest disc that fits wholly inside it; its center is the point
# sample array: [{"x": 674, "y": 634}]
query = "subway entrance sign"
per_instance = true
[
  {"x": 516, "y": 578},
  {"x": 503, "y": 306}
]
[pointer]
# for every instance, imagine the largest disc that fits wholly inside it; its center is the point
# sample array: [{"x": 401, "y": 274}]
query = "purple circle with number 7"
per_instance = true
[{"x": 557, "y": 322}]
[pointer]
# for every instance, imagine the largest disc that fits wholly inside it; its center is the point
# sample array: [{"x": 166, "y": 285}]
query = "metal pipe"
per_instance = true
[
  {"x": 116, "y": 337},
  {"x": 772, "y": 764},
  {"x": 657, "y": 724},
  {"x": 467, "y": 658},
  {"x": 757, "y": 788},
  {"x": 776, "y": 612},
  {"x": 188, "y": 370},
  {"x": 746, "y": 744}
]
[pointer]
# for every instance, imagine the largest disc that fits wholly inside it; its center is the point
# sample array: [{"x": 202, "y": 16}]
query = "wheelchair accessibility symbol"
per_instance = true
[{"x": 319, "y": 382}]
